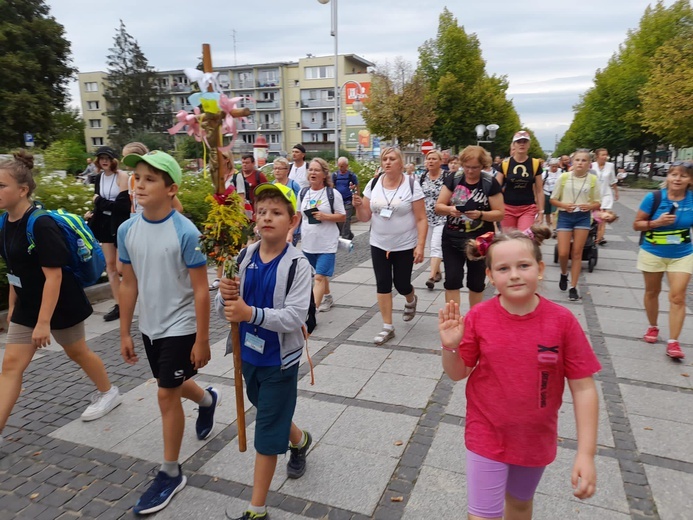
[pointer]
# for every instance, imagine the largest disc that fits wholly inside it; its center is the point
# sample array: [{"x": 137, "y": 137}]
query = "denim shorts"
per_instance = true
[
  {"x": 576, "y": 220},
  {"x": 323, "y": 263}
]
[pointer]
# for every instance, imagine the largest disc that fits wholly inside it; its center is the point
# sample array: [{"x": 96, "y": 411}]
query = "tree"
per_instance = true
[
  {"x": 68, "y": 154},
  {"x": 130, "y": 93},
  {"x": 36, "y": 67},
  {"x": 667, "y": 98},
  {"x": 399, "y": 107},
  {"x": 610, "y": 114},
  {"x": 67, "y": 125},
  {"x": 464, "y": 94}
]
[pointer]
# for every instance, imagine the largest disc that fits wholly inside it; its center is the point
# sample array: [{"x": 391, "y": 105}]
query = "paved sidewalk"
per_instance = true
[{"x": 387, "y": 423}]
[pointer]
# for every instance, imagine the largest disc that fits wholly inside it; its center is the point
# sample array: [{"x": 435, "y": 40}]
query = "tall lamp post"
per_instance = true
[
  {"x": 482, "y": 130},
  {"x": 334, "y": 33},
  {"x": 356, "y": 105}
]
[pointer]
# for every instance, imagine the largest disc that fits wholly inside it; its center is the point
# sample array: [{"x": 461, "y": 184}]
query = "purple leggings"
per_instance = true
[{"x": 488, "y": 481}]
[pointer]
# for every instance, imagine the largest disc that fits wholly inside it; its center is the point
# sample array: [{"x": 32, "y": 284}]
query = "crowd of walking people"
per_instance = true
[{"x": 488, "y": 216}]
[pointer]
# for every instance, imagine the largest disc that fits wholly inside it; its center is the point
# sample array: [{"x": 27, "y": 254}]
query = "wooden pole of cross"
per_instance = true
[{"x": 218, "y": 170}]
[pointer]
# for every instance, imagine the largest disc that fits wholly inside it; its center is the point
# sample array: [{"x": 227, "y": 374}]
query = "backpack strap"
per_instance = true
[
  {"x": 374, "y": 181},
  {"x": 302, "y": 194},
  {"x": 291, "y": 275},
  {"x": 504, "y": 167},
  {"x": 30, "y": 227},
  {"x": 657, "y": 200},
  {"x": 486, "y": 183},
  {"x": 423, "y": 177},
  {"x": 3, "y": 219},
  {"x": 411, "y": 184},
  {"x": 240, "y": 257},
  {"x": 535, "y": 165},
  {"x": 257, "y": 177},
  {"x": 330, "y": 198}
]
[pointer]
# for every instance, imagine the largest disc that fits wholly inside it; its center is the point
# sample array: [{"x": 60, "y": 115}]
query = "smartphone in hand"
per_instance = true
[{"x": 674, "y": 207}]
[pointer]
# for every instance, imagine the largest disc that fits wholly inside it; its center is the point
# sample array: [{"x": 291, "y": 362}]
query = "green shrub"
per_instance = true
[{"x": 192, "y": 193}]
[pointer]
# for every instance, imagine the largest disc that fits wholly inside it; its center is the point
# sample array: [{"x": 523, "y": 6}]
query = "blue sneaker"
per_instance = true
[
  {"x": 160, "y": 493},
  {"x": 205, "y": 419}
]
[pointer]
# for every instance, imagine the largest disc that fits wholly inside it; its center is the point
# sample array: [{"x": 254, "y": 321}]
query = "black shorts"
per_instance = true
[
  {"x": 455, "y": 258},
  {"x": 169, "y": 359}
]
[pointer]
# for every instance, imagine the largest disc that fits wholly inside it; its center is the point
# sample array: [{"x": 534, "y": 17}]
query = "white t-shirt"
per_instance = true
[
  {"x": 298, "y": 173},
  {"x": 323, "y": 237},
  {"x": 606, "y": 177},
  {"x": 399, "y": 232},
  {"x": 239, "y": 185}
]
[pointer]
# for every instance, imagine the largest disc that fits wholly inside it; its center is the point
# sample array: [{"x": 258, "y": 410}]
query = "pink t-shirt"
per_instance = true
[{"x": 516, "y": 389}]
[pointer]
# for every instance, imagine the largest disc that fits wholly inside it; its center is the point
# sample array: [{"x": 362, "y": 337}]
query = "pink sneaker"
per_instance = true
[
  {"x": 651, "y": 335},
  {"x": 674, "y": 350}
]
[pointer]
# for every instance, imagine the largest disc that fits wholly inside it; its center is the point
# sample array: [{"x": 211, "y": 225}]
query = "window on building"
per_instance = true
[
  {"x": 248, "y": 138},
  {"x": 274, "y": 138},
  {"x": 268, "y": 77},
  {"x": 95, "y": 123},
  {"x": 268, "y": 96},
  {"x": 296, "y": 83},
  {"x": 327, "y": 95},
  {"x": 315, "y": 138},
  {"x": 181, "y": 80},
  {"x": 298, "y": 104},
  {"x": 163, "y": 82},
  {"x": 92, "y": 105},
  {"x": 97, "y": 141},
  {"x": 322, "y": 72},
  {"x": 91, "y": 86}
]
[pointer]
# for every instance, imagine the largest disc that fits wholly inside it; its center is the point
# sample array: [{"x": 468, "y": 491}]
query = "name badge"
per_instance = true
[
  {"x": 670, "y": 239},
  {"x": 386, "y": 212},
  {"x": 255, "y": 343},
  {"x": 14, "y": 280}
]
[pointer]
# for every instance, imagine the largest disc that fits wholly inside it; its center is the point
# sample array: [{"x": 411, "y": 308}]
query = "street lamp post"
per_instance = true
[
  {"x": 334, "y": 33},
  {"x": 482, "y": 130}
]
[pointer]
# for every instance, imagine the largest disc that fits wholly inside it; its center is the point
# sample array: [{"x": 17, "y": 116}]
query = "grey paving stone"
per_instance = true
[
  {"x": 350, "y": 295},
  {"x": 331, "y": 324},
  {"x": 447, "y": 451},
  {"x": 330, "y": 478},
  {"x": 230, "y": 464},
  {"x": 353, "y": 356},
  {"x": 437, "y": 494},
  {"x": 368, "y": 331},
  {"x": 672, "y": 492},
  {"x": 396, "y": 389},
  {"x": 550, "y": 508},
  {"x": 371, "y": 431},
  {"x": 610, "y": 494},
  {"x": 413, "y": 364},
  {"x": 630, "y": 322},
  {"x": 337, "y": 380},
  {"x": 424, "y": 335},
  {"x": 667, "y": 439},
  {"x": 663, "y": 371},
  {"x": 458, "y": 399},
  {"x": 358, "y": 275},
  {"x": 662, "y": 404}
]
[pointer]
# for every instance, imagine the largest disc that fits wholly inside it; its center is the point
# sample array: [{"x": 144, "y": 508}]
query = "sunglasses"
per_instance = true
[{"x": 685, "y": 164}]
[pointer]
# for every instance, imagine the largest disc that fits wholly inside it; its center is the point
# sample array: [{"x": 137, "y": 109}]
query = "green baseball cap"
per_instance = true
[
  {"x": 159, "y": 160},
  {"x": 286, "y": 192}
]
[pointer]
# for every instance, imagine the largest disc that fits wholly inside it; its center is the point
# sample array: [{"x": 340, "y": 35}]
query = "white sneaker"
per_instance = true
[
  {"x": 101, "y": 404},
  {"x": 326, "y": 303}
]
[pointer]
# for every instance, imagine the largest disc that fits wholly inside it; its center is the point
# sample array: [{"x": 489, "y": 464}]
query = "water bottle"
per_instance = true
[
  {"x": 83, "y": 251},
  {"x": 345, "y": 245}
]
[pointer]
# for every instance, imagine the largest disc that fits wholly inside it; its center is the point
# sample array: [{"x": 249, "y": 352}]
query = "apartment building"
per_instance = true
[{"x": 290, "y": 102}]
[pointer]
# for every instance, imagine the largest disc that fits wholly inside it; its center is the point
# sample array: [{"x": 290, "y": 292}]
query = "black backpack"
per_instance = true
[
  {"x": 375, "y": 181},
  {"x": 248, "y": 187},
  {"x": 486, "y": 181}
]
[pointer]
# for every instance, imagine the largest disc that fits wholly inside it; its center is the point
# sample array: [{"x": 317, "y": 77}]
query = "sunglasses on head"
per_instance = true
[{"x": 685, "y": 164}]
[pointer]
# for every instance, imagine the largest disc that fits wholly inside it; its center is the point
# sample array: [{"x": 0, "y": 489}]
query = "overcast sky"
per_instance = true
[{"x": 549, "y": 49}]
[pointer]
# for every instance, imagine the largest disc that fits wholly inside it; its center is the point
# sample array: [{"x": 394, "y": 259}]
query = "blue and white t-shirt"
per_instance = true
[{"x": 161, "y": 252}]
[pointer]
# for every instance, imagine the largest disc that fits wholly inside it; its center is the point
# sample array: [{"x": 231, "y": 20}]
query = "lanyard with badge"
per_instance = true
[
  {"x": 252, "y": 340},
  {"x": 572, "y": 189},
  {"x": 386, "y": 212},
  {"x": 12, "y": 278}
]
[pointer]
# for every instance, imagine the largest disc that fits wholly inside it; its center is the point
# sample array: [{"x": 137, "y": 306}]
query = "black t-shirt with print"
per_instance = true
[
  {"x": 457, "y": 230},
  {"x": 73, "y": 306},
  {"x": 519, "y": 183}
]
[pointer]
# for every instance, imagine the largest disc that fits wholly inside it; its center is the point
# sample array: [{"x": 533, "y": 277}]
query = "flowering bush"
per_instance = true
[
  {"x": 192, "y": 194},
  {"x": 54, "y": 191},
  {"x": 224, "y": 232}
]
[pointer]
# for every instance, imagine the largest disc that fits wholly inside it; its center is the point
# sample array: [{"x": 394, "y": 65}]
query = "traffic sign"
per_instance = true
[
  {"x": 28, "y": 140},
  {"x": 426, "y": 147}
]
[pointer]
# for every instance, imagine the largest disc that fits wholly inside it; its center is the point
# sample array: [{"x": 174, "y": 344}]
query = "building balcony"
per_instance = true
[
  {"x": 243, "y": 83},
  {"x": 317, "y": 103},
  {"x": 271, "y": 126},
  {"x": 318, "y": 125},
  {"x": 244, "y": 127},
  {"x": 268, "y": 104},
  {"x": 269, "y": 83},
  {"x": 180, "y": 88}
]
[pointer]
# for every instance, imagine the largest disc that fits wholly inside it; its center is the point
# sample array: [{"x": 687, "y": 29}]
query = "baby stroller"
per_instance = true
[{"x": 590, "y": 253}]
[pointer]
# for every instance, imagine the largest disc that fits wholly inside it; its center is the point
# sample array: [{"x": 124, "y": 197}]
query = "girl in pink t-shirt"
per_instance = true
[{"x": 517, "y": 349}]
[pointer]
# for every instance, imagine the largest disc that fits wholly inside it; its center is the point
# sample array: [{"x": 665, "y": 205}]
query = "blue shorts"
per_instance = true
[
  {"x": 570, "y": 221},
  {"x": 273, "y": 392},
  {"x": 323, "y": 263}
]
